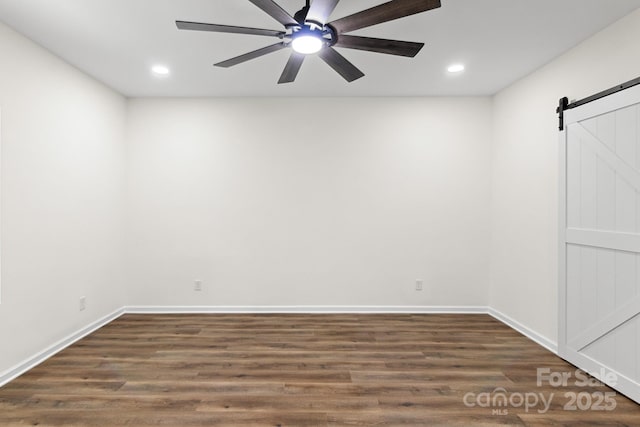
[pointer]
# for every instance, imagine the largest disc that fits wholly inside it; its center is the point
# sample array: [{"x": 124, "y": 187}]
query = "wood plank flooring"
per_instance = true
[{"x": 303, "y": 370}]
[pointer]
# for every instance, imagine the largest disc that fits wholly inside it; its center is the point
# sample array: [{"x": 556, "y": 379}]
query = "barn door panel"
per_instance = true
[{"x": 600, "y": 240}]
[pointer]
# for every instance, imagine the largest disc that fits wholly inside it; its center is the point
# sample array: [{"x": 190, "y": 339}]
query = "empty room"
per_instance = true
[{"x": 319, "y": 212}]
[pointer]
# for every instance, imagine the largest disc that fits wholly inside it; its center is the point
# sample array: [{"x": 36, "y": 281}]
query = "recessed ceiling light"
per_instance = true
[
  {"x": 160, "y": 70},
  {"x": 455, "y": 68}
]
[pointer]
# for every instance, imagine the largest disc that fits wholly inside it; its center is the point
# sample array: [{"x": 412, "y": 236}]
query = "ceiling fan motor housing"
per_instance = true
[{"x": 326, "y": 33}]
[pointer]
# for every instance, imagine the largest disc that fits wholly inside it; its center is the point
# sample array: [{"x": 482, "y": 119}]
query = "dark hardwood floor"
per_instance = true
[{"x": 306, "y": 370}]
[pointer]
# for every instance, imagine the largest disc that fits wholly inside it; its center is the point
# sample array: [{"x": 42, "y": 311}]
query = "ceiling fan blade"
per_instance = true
[
  {"x": 290, "y": 71},
  {"x": 201, "y": 26},
  {"x": 383, "y": 13},
  {"x": 321, "y": 10},
  {"x": 251, "y": 55},
  {"x": 370, "y": 44},
  {"x": 340, "y": 64},
  {"x": 275, "y": 11}
]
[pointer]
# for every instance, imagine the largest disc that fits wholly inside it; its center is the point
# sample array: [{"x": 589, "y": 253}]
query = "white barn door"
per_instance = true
[{"x": 600, "y": 240}]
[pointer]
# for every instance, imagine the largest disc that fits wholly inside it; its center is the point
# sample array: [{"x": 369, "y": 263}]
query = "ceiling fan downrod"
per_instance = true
[{"x": 301, "y": 15}]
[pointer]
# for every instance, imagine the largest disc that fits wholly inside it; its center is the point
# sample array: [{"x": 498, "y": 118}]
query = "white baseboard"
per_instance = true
[
  {"x": 529, "y": 333},
  {"x": 308, "y": 309},
  {"x": 37, "y": 359}
]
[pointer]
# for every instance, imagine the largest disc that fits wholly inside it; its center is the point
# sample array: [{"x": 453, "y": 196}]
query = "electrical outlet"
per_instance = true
[
  {"x": 83, "y": 303},
  {"x": 418, "y": 285},
  {"x": 197, "y": 285}
]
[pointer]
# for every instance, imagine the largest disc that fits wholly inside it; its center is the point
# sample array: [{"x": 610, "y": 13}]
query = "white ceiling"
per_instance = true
[{"x": 117, "y": 41}]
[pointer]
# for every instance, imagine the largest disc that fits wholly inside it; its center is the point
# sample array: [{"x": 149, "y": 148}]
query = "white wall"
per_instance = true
[
  {"x": 525, "y": 170},
  {"x": 291, "y": 202},
  {"x": 63, "y": 197}
]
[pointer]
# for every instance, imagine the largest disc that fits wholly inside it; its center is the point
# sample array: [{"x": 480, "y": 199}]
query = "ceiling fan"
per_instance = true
[{"x": 308, "y": 32}]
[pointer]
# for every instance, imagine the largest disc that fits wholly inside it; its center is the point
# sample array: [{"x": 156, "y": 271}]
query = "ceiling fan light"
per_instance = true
[{"x": 307, "y": 44}]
